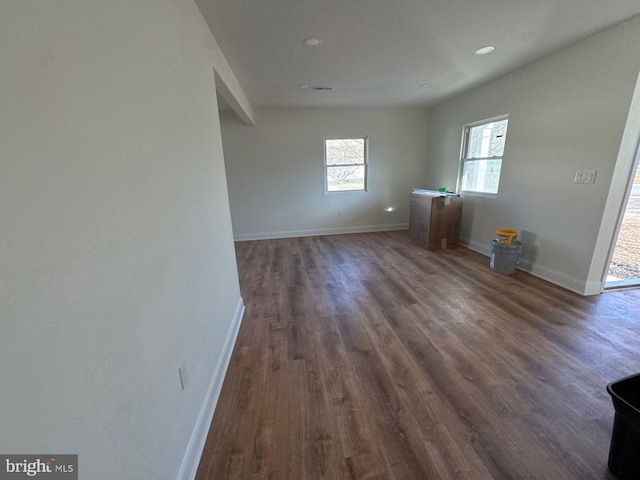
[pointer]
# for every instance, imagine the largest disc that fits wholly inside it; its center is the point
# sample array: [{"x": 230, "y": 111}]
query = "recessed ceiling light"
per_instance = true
[
  {"x": 312, "y": 42},
  {"x": 485, "y": 50},
  {"x": 304, "y": 85},
  {"x": 426, "y": 85}
]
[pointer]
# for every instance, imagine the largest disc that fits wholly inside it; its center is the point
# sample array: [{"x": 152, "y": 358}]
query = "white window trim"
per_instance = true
[
  {"x": 463, "y": 150},
  {"x": 365, "y": 164}
]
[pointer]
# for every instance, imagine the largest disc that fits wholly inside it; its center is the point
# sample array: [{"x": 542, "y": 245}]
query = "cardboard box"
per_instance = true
[{"x": 434, "y": 219}]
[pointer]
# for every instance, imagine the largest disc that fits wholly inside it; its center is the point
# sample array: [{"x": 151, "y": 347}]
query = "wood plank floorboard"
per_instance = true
[{"x": 365, "y": 356}]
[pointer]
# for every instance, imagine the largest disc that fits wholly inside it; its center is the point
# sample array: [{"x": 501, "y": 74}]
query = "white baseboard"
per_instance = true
[
  {"x": 593, "y": 288},
  {"x": 193, "y": 452},
  {"x": 319, "y": 231},
  {"x": 552, "y": 276}
]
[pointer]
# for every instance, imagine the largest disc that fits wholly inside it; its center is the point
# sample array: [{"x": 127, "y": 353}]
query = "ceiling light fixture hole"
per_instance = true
[
  {"x": 485, "y": 50},
  {"x": 312, "y": 42}
]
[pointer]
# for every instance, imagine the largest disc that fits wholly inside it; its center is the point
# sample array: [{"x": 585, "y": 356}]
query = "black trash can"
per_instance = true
[{"x": 624, "y": 453}]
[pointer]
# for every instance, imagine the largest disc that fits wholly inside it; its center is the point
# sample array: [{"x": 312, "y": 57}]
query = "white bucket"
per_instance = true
[{"x": 505, "y": 258}]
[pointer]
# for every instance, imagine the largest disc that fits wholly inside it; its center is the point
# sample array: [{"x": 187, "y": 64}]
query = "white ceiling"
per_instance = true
[{"x": 376, "y": 53}]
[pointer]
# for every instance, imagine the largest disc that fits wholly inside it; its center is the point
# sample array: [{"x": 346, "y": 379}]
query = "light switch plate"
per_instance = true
[
  {"x": 585, "y": 176},
  {"x": 184, "y": 375}
]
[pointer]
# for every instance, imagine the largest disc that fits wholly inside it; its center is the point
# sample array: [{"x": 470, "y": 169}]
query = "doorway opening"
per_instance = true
[{"x": 624, "y": 269}]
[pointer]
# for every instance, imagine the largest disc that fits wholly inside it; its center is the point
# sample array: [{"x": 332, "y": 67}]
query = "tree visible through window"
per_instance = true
[
  {"x": 482, "y": 153},
  {"x": 345, "y": 161}
]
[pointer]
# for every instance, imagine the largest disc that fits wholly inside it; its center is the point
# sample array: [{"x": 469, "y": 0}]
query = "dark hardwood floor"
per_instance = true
[{"x": 364, "y": 356}]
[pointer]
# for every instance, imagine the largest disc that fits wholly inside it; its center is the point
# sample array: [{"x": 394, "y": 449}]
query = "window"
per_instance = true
[
  {"x": 345, "y": 163},
  {"x": 481, "y": 159}
]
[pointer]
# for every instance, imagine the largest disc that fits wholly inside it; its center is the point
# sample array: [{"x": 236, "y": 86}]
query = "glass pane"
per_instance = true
[
  {"x": 487, "y": 140},
  {"x": 481, "y": 176},
  {"x": 344, "y": 150},
  {"x": 345, "y": 178}
]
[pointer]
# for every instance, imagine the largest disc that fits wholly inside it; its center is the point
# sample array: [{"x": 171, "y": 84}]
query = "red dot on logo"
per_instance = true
[{"x": 48, "y": 462}]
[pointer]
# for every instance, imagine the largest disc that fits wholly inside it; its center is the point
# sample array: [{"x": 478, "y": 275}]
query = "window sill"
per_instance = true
[
  {"x": 478, "y": 194},
  {"x": 344, "y": 191}
]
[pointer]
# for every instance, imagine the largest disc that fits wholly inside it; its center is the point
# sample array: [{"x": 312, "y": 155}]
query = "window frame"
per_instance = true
[
  {"x": 466, "y": 130},
  {"x": 364, "y": 164}
]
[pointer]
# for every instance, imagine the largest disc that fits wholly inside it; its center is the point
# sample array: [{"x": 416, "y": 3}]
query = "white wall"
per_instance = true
[
  {"x": 116, "y": 261},
  {"x": 275, "y": 171},
  {"x": 567, "y": 112}
]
